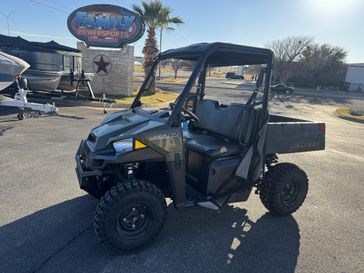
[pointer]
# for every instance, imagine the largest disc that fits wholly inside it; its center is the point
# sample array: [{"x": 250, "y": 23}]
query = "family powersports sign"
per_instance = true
[{"x": 105, "y": 25}]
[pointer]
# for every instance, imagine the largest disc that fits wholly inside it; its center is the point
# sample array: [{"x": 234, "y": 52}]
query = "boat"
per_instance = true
[
  {"x": 42, "y": 79},
  {"x": 49, "y": 62},
  {"x": 10, "y": 68}
]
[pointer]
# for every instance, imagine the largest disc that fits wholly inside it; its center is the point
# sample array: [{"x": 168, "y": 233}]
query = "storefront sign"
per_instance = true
[{"x": 105, "y": 25}]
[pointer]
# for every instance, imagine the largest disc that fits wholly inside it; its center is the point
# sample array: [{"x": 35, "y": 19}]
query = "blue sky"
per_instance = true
[{"x": 249, "y": 22}]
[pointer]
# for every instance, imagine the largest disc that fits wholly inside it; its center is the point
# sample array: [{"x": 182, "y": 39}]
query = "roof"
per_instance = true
[
  {"x": 356, "y": 64},
  {"x": 20, "y": 43},
  {"x": 221, "y": 54}
]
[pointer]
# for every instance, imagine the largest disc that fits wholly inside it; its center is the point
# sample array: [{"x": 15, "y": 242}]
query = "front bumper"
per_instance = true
[{"x": 86, "y": 178}]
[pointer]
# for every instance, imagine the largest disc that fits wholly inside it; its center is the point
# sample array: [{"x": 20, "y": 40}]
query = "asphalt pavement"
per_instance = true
[
  {"x": 46, "y": 220},
  {"x": 246, "y": 85}
]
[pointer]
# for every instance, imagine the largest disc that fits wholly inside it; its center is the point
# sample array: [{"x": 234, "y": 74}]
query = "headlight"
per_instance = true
[{"x": 123, "y": 146}]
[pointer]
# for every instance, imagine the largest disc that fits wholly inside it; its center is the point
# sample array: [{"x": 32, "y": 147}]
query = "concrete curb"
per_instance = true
[{"x": 350, "y": 118}]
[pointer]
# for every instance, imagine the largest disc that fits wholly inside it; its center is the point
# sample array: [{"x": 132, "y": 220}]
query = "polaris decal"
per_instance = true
[
  {"x": 305, "y": 145},
  {"x": 164, "y": 136}
]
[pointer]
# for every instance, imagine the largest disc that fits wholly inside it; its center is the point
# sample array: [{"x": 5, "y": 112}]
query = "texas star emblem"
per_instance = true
[{"x": 102, "y": 65}]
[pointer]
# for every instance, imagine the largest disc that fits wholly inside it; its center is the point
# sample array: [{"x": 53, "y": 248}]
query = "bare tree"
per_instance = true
[
  {"x": 287, "y": 51},
  {"x": 176, "y": 64}
]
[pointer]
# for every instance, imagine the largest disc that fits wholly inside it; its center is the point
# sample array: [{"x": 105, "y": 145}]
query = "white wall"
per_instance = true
[
  {"x": 355, "y": 74},
  {"x": 355, "y": 77}
]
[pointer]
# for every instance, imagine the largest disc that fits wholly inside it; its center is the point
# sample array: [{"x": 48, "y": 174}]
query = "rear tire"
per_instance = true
[
  {"x": 129, "y": 216},
  {"x": 284, "y": 189}
]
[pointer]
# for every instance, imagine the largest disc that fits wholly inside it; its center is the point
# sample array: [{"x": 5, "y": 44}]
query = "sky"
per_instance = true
[{"x": 246, "y": 22}]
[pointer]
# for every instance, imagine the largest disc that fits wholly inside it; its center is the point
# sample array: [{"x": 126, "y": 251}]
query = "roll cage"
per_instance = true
[{"x": 212, "y": 55}]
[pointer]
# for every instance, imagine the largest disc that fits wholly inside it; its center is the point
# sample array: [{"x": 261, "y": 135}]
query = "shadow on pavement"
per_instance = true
[
  {"x": 61, "y": 239},
  {"x": 64, "y": 116},
  {"x": 3, "y": 129},
  {"x": 27, "y": 243}
]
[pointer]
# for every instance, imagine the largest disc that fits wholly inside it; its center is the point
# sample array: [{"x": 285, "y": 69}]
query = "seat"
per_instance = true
[
  {"x": 210, "y": 146},
  {"x": 218, "y": 131}
]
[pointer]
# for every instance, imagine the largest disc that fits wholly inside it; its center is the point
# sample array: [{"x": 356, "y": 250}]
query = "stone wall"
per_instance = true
[{"x": 113, "y": 69}]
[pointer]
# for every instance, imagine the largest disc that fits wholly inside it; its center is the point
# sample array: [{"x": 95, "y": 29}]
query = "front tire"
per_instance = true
[
  {"x": 284, "y": 189},
  {"x": 129, "y": 216}
]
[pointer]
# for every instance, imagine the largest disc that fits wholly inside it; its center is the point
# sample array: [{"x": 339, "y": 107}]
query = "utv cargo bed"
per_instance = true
[{"x": 290, "y": 135}]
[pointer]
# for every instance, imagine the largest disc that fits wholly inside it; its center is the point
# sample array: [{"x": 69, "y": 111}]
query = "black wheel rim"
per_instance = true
[
  {"x": 134, "y": 220},
  {"x": 290, "y": 193}
]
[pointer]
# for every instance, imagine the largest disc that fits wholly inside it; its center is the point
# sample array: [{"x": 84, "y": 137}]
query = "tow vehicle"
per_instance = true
[{"x": 138, "y": 157}]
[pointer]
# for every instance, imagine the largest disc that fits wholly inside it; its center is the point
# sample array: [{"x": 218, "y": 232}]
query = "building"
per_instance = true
[
  {"x": 354, "y": 79},
  {"x": 113, "y": 69}
]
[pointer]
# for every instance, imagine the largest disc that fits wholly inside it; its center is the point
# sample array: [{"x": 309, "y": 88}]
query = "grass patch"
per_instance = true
[
  {"x": 158, "y": 97},
  {"x": 177, "y": 80},
  {"x": 165, "y": 80},
  {"x": 140, "y": 79},
  {"x": 346, "y": 112},
  {"x": 138, "y": 68}
]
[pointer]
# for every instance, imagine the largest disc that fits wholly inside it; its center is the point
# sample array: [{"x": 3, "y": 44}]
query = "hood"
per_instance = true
[{"x": 125, "y": 124}]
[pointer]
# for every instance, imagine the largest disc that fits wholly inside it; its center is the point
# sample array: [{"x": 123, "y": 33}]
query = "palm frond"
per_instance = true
[
  {"x": 175, "y": 20},
  {"x": 138, "y": 10},
  {"x": 170, "y": 29}
]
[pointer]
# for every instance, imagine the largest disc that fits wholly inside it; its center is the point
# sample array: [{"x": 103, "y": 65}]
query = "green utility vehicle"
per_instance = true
[{"x": 199, "y": 152}]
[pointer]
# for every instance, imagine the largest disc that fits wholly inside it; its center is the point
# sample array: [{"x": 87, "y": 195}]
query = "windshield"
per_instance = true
[
  {"x": 167, "y": 77},
  {"x": 227, "y": 84},
  {"x": 234, "y": 84},
  {"x": 182, "y": 80}
]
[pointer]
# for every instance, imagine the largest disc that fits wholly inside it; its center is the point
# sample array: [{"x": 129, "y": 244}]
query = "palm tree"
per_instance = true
[{"x": 155, "y": 16}]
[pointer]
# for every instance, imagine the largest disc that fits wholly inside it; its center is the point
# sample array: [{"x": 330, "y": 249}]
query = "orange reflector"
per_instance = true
[{"x": 139, "y": 145}]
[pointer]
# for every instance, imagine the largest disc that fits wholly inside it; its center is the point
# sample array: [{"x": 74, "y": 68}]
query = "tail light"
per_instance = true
[{"x": 322, "y": 127}]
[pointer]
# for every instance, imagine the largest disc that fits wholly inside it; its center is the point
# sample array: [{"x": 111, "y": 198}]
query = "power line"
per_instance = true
[{"x": 48, "y": 6}]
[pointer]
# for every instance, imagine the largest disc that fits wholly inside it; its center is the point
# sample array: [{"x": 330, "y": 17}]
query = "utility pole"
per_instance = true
[
  {"x": 160, "y": 50},
  {"x": 7, "y": 19}
]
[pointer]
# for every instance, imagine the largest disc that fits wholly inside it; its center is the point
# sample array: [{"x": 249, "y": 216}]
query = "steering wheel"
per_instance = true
[{"x": 187, "y": 112}]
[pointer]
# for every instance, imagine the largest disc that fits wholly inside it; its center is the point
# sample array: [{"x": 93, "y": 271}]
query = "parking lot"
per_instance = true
[{"x": 46, "y": 220}]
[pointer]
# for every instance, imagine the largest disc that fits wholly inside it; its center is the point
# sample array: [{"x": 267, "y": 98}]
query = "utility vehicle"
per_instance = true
[{"x": 138, "y": 157}]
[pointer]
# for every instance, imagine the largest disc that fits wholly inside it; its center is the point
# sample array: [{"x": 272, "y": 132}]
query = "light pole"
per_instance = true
[
  {"x": 160, "y": 50},
  {"x": 7, "y": 19}
]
